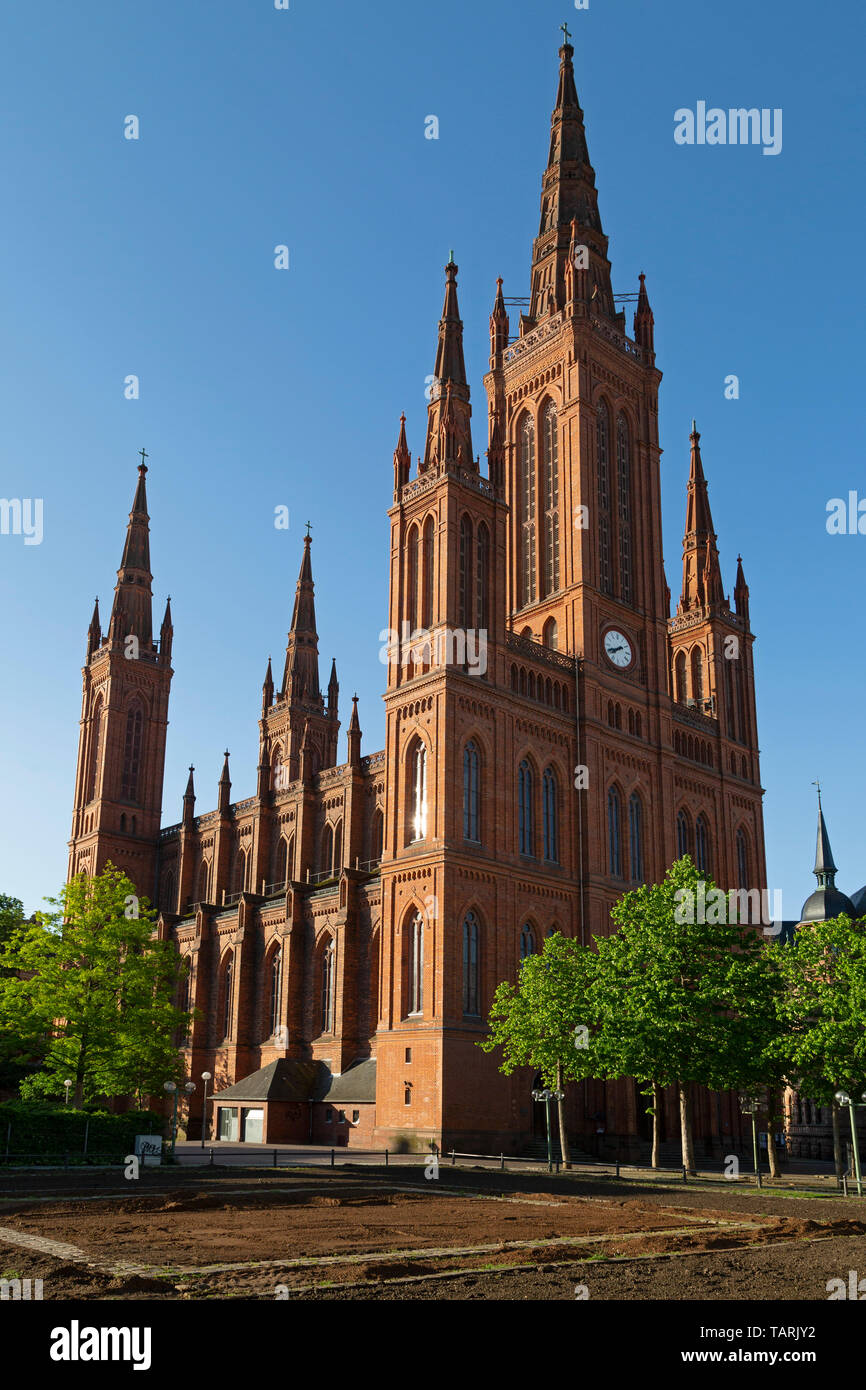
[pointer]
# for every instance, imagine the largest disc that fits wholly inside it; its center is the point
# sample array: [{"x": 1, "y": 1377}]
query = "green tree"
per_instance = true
[
  {"x": 100, "y": 986},
  {"x": 11, "y": 915},
  {"x": 545, "y": 1021},
  {"x": 683, "y": 995},
  {"x": 824, "y": 969}
]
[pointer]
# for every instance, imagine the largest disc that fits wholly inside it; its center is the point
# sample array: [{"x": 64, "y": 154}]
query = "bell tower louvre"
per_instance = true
[{"x": 554, "y": 737}]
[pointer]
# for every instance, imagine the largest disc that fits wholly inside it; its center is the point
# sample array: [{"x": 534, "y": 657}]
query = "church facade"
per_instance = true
[{"x": 554, "y": 736}]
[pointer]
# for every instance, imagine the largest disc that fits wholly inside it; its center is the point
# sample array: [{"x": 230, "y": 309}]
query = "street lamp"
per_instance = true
[
  {"x": 547, "y": 1096},
  {"x": 750, "y": 1105},
  {"x": 171, "y": 1088},
  {"x": 67, "y": 1085},
  {"x": 205, "y": 1076},
  {"x": 843, "y": 1099}
]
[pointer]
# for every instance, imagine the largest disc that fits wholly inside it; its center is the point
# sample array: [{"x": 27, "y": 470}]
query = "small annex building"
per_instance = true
[{"x": 298, "y": 1102}]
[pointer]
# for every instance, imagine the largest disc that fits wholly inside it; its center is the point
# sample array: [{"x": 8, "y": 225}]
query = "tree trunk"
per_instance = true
[
  {"x": 657, "y": 1105},
  {"x": 841, "y": 1165},
  {"x": 688, "y": 1146},
  {"x": 772, "y": 1104},
  {"x": 78, "y": 1098},
  {"x": 560, "y": 1105}
]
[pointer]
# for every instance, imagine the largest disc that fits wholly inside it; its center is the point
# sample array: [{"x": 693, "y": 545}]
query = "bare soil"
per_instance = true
[{"x": 474, "y": 1234}]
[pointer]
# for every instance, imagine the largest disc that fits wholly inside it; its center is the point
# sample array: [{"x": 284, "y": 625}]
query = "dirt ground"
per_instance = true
[{"x": 472, "y": 1234}]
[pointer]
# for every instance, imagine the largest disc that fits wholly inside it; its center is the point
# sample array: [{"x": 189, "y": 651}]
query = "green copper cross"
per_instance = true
[
  {"x": 309, "y": 528},
  {"x": 564, "y": 28},
  {"x": 143, "y": 456}
]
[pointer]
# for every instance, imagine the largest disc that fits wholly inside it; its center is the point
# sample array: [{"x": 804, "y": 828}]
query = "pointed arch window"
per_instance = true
[
  {"x": 377, "y": 836},
  {"x": 132, "y": 753},
  {"x": 605, "y": 574},
  {"x": 742, "y": 860},
  {"x": 464, "y": 583},
  {"x": 684, "y": 835},
  {"x": 482, "y": 578},
  {"x": 427, "y": 606},
  {"x": 623, "y": 468},
  {"x": 697, "y": 676},
  {"x": 529, "y": 591},
  {"x": 228, "y": 1002},
  {"x": 419, "y": 792},
  {"x": 337, "y": 862},
  {"x": 240, "y": 872},
  {"x": 525, "y": 819},
  {"x": 327, "y": 851},
  {"x": 416, "y": 965},
  {"x": 680, "y": 677},
  {"x": 203, "y": 877},
  {"x": 635, "y": 838},
  {"x": 550, "y": 635},
  {"x": 328, "y": 986},
  {"x": 96, "y": 740},
  {"x": 549, "y": 801},
  {"x": 275, "y": 984},
  {"x": 471, "y": 807},
  {"x": 551, "y": 500},
  {"x": 614, "y": 833},
  {"x": 527, "y": 942},
  {"x": 281, "y": 862},
  {"x": 470, "y": 966},
  {"x": 702, "y": 845},
  {"x": 412, "y": 577}
]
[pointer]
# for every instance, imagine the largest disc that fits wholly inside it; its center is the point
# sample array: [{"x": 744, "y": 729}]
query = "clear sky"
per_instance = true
[{"x": 260, "y": 388}]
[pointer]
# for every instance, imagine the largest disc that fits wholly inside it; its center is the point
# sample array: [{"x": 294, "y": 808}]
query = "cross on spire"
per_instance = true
[
  {"x": 565, "y": 30},
  {"x": 144, "y": 455},
  {"x": 309, "y": 528}
]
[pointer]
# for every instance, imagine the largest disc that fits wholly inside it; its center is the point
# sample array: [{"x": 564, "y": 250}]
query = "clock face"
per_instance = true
[{"x": 617, "y": 649}]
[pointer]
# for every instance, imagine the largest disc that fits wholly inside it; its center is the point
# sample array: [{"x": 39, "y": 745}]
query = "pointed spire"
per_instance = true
[
  {"x": 225, "y": 785},
  {"x": 643, "y": 318},
  {"x": 825, "y": 867},
  {"x": 702, "y": 577},
  {"x": 449, "y": 433},
  {"x": 569, "y": 211},
  {"x": 333, "y": 690},
  {"x": 131, "y": 612},
  {"x": 268, "y": 689},
  {"x": 354, "y": 735},
  {"x": 741, "y": 593},
  {"x": 189, "y": 799},
  {"x": 166, "y": 635},
  {"x": 94, "y": 632},
  {"x": 301, "y": 671},
  {"x": 499, "y": 324},
  {"x": 402, "y": 458}
]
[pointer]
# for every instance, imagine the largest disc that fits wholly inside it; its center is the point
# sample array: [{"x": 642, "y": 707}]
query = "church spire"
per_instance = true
[
  {"x": 499, "y": 325},
  {"x": 268, "y": 689},
  {"x": 402, "y": 458},
  {"x": 569, "y": 214},
  {"x": 301, "y": 673},
  {"x": 825, "y": 867},
  {"x": 94, "y": 632},
  {"x": 741, "y": 593},
  {"x": 449, "y": 433},
  {"x": 166, "y": 635},
  {"x": 132, "y": 609},
  {"x": 354, "y": 735},
  {"x": 225, "y": 785},
  {"x": 702, "y": 578},
  {"x": 643, "y": 318},
  {"x": 189, "y": 799}
]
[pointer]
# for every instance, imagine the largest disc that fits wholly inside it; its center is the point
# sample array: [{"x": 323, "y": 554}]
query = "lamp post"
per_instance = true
[
  {"x": 547, "y": 1096},
  {"x": 205, "y": 1076},
  {"x": 189, "y": 1087},
  {"x": 171, "y": 1088},
  {"x": 750, "y": 1105},
  {"x": 67, "y": 1085},
  {"x": 843, "y": 1099}
]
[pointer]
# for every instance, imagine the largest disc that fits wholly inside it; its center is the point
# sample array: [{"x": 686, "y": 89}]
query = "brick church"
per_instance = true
[{"x": 553, "y": 737}]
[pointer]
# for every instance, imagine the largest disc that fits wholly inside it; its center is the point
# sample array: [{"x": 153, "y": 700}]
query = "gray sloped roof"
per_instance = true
[
  {"x": 283, "y": 1080},
  {"x": 355, "y": 1085}
]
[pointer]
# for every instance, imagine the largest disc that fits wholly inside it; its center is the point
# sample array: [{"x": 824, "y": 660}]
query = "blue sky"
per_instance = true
[{"x": 259, "y": 388}]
